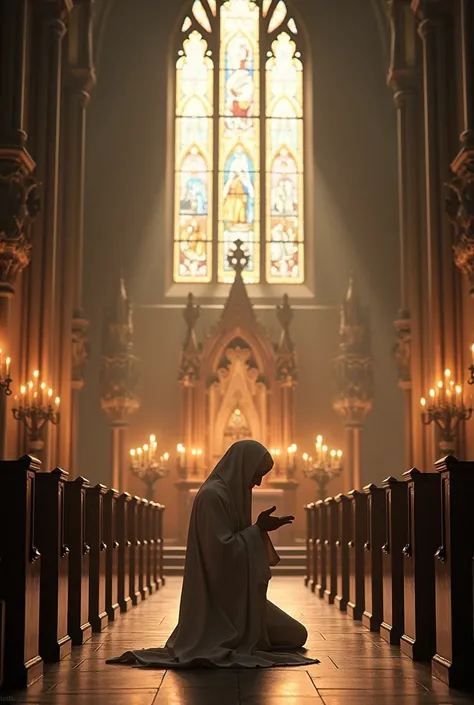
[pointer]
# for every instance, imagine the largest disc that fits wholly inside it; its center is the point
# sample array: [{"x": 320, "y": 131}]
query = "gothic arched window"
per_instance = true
[{"x": 239, "y": 143}]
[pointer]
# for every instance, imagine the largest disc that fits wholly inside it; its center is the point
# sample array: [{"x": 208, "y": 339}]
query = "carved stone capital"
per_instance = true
[
  {"x": 19, "y": 206},
  {"x": 460, "y": 210},
  {"x": 80, "y": 351},
  {"x": 402, "y": 350}
]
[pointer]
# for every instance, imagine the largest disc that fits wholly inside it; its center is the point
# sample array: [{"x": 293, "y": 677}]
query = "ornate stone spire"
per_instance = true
[
  {"x": 286, "y": 356},
  {"x": 119, "y": 367},
  {"x": 190, "y": 363}
]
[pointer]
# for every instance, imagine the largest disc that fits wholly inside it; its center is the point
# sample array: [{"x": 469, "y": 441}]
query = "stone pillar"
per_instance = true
[
  {"x": 79, "y": 82},
  {"x": 119, "y": 379},
  {"x": 461, "y": 201},
  {"x": 405, "y": 81},
  {"x": 354, "y": 379},
  {"x": 442, "y": 291},
  {"x": 19, "y": 200}
]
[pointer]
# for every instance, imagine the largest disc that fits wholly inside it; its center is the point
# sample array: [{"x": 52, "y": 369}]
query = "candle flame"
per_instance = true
[
  {"x": 132, "y": 452},
  {"x": 458, "y": 389},
  {"x": 36, "y": 374},
  {"x": 432, "y": 392},
  {"x": 166, "y": 456},
  {"x": 447, "y": 373},
  {"x": 152, "y": 438},
  {"x": 57, "y": 401},
  {"x": 423, "y": 401},
  {"x": 305, "y": 456}
]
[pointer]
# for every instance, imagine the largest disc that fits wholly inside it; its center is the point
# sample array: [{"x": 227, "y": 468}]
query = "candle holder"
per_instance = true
[
  {"x": 324, "y": 468},
  {"x": 291, "y": 466},
  {"x": 148, "y": 467},
  {"x": 5, "y": 379},
  {"x": 181, "y": 464},
  {"x": 445, "y": 408},
  {"x": 35, "y": 408}
]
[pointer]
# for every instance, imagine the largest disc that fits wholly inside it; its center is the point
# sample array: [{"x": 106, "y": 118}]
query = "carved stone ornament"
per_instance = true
[
  {"x": 286, "y": 357},
  {"x": 119, "y": 377},
  {"x": 190, "y": 363},
  {"x": 354, "y": 381},
  {"x": 80, "y": 351},
  {"x": 19, "y": 206},
  {"x": 120, "y": 369},
  {"x": 402, "y": 350},
  {"x": 353, "y": 368},
  {"x": 460, "y": 210}
]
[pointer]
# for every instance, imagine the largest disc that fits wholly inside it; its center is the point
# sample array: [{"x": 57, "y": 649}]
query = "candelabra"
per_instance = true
[
  {"x": 445, "y": 408},
  {"x": 471, "y": 367},
  {"x": 325, "y": 467},
  {"x": 5, "y": 379},
  {"x": 35, "y": 408},
  {"x": 147, "y": 466}
]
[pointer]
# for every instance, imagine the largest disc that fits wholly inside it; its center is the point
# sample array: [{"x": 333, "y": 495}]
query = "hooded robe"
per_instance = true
[{"x": 225, "y": 619}]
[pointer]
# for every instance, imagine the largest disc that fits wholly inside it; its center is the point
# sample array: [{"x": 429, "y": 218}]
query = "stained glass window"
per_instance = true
[{"x": 245, "y": 182}]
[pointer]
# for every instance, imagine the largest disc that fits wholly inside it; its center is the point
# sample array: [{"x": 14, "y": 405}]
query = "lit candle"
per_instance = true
[
  {"x": 166, "y": 457},
  {"x": 146, "y": 453},
  {"x": 472, "y": 353},
  {"x": 7, "y": 367},
  {"x": 57, "y": 403},
  {"x": 459, "y": 395}
]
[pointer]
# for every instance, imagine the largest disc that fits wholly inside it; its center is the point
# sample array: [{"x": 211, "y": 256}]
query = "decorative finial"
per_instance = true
[{"x": 238, "y": 258}]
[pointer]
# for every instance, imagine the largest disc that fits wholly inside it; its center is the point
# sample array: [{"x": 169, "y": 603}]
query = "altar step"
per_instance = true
[{"x": 293, "y": 560}]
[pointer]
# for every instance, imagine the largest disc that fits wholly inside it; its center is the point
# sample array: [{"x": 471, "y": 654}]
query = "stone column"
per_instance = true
[
  {"x": 354, "y": 379},
  {"x": 442, "y": 300},
  {"x": 119, "y": 379},
  {"x": 19, "y": 200},
  {"x": 405, "y": 81},
  {"x": 461, "y": 201},
  {"x": 79, "y": 82}
]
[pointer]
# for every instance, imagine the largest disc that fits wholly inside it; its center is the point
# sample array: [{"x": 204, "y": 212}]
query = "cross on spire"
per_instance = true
[{"x": 238, "y": 258}]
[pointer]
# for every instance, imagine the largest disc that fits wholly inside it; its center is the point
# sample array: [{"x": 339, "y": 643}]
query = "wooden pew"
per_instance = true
[
  {"x": 143, "y": 555},
  {"x": 155, "y": 552},
  {"x": 98, "y": 556},
  {"x": 135, "y": 550},
  {"x": 309, "y": 512},
  {"x": 79, "y": 627},
  {"x": 161, "y": 554},
  {"x": 358, "y": 528},
  {"x": 454, "y": 658},
  {"x": 2, "y": 639},
  {"x": 20, "y": 572},
  {"x": 123, "y": 534},
  {"x": 330, "y": 550},
  {"x": 423, "y": 538},
  {"x": 148, "y": 514},
  {"x": 55, "y": 642},
  {"x": 342, "y": 550},
  {"x": 319, "y": 555},
  {"x": 112, "y": 606},
  {"x": 396, "y": 510},
  {"x": 374, "y": 539}
]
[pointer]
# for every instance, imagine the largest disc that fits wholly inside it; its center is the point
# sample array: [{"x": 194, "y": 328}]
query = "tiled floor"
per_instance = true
[{"x": 356, "y": 668}]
